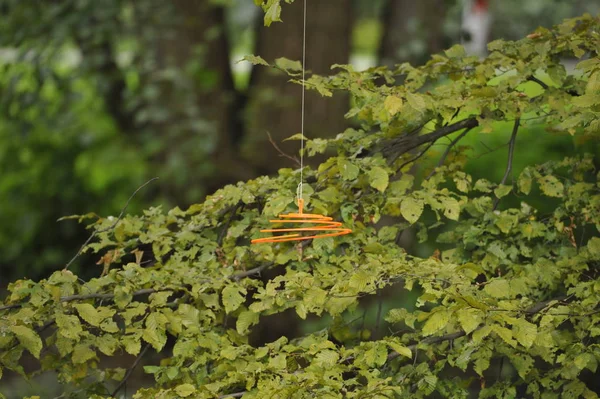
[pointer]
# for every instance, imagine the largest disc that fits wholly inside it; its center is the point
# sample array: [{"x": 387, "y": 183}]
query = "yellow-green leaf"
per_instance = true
[
  {"x": 88, "y": 313},
  {"x": 232, "y": 297},
  {"x": 525, "y": 332},
  {"x": 411, "y": 209},
  {"x": 400, "y": 349},
  {"x": 348, "y": 170},
  {"x": 378, "y": 178},
  {"x": 392, "y": 104},
  {"x": 436, "y": 322},
  {"x": 498, "y": 288},
  {"x": 551, "y": 186},
  {"x": 245, "y": 320},
  {"x": 469, "y": 319},
  {"x": 82, "y": 353},
  {"x": 451, "y": 208},
  {"x": 185, "y": 390},
  {"x": 502, "y": 190},
  {"x": 29, "y": 339}
]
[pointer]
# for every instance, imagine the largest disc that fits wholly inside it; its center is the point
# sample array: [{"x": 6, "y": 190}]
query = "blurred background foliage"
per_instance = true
[{"x": 98, "y": 96}]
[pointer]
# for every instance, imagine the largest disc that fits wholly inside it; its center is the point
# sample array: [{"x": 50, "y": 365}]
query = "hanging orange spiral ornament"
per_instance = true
[{"x": 319, "y": 226}]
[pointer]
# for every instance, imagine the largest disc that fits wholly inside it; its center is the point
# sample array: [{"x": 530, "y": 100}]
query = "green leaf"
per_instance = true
[
  {"x": 469, "y": 319},
  {"x": 154, "y": 333},
  {"x": 278, "y": 362},
  {"x": 272, "y": 13},
  {"x": 232, "y": 297},
  {"x": 88, "y": 313},
  {"x": 288, "y": 65},
  {"x": 417, "y": 102},
  {"x": 348, "y": 170},
  {"x": 436, "y": 322},
  {"x": 525, "y": 332},
  {"x": 392, "y": 104},
  {"x": 411, "y": 209},
  {"x": 551, "y": 186},
  {"x": 524, "y": 182},
  {"x": 361, "y": 280},
  {"x": 28, "y": 339},
  {"x": 451, "y": 208},
  {"x": 483, "y": 185},
  {"x": 255, "y": 60},
  {"x": 277, "y": 205},
  {"x": 69, "y": 326},
  {"x": 400, "y": 349},
  {"x": 498, "y": 288},
  {"x": 505, "y": 334},
  {"x": 82, "y": 353},
  {"x": 327, "y": 358},
  {"x": 245, "y": 320},
  {"x": 378, "y": 178},
  {"x": 593, "y": 246},
  {"x": 185, "y": 390},
  {"x": 502, "y": 190},
  {"x": 456, "y": 51}
]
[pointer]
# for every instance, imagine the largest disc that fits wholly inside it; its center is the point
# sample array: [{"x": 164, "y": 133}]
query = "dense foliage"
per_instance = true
[{"x": 510, "y": 287}]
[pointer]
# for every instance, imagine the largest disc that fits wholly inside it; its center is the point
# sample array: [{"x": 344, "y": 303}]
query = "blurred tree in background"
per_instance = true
[{"x": 98, "y": 96}]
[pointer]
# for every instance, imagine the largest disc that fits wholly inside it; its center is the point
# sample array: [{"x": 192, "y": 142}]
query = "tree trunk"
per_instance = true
[
  {"x": 413, "y": 30},
  {"x": 274, "y": 103},
  {"x": 196, "y": 48}
]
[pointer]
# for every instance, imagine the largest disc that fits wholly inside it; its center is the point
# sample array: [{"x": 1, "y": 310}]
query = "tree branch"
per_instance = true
[
  {"x": 511, "y": 151},
  {"x": 233, "y": 395},
  {"x": 280, "y": 151},
  {"x": 430, "y": 340},
  {"x": 536, "y": 80},
  {"x": 130, "y": 370},
  {"x": 447, "y": 152},
  {"x": 91, "y": 237},
  {"x": 405, "y": 143},
  {"x": 83, "y": 297},
  {"x": 107, "y": 296}
]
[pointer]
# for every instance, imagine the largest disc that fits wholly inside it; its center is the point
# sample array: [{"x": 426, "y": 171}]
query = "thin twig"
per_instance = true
[
  {"x": 128, "y": 374},
  {"x": 447, "y": 152},
  {"x": 233, "y": 395},
  {"x": 416, "y": 157},
  {"x": 91, "y": 237},
  {"x": 379, "y": 310},
  {"x": 511, "y": 151},
  {"x": 280, "y": 151},
  {"x": 536, "y": 80},
  {"x": 248, "y": 273},
  {"x": 228, "y": 223},
  {"x": 405, "y": 143}
]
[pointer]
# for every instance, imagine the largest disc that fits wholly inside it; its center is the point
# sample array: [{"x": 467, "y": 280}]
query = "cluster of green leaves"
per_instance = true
[{"x": 514, "y": 283}]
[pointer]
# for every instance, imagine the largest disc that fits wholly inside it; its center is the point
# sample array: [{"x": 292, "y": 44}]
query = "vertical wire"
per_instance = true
[{"x": 303, "y": 101}]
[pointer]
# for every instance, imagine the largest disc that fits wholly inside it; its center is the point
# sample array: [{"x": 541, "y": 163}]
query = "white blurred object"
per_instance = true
[{"x": 476, "y": 25}]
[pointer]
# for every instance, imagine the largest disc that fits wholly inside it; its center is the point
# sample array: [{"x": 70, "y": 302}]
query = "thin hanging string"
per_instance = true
[{"x": 299, "y": 191}]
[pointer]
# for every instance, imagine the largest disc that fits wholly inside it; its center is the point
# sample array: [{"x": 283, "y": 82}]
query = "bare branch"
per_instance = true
[
  {"x": 536, "y": 80},
  {"x": 511, "y": 151},
  {"x": 91, "y": 237},
  {"x": 447, "y": 152},
  {"x": 133, "y": 366},
  {"x": 405, "y": 143},
  {"x": 233, "y": 395},
  {"x": 280, "y": 151},
  {"x": 416, "y": 157}
]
